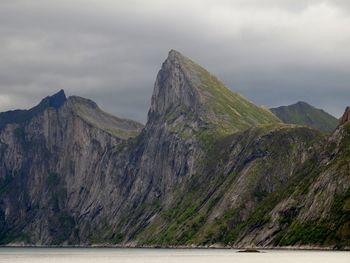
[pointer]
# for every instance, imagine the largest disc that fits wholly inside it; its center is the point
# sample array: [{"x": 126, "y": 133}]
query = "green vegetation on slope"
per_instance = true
[
  {"x": 331, "y": 229},
  {"x": 228, "y": 111},
  {"x": 266, "y": 151},
  {"x": 304, "y": 114},
  {"x": 91, "y": 113}
]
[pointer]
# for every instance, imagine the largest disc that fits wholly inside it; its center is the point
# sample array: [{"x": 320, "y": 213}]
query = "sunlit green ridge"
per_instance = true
[{"x": 221, "y": 107}]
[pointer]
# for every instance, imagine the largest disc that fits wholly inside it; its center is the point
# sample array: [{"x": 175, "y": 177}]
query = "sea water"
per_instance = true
[{"x": 126, "y": 255}]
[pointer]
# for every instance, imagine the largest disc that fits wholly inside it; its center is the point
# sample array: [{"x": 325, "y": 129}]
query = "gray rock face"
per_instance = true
[
  {"x": 313, "y": 209},
  {"x": 174, "y": 89},
  {"x": 84, "y": 176},
  {"x": 53, "y": 168}
]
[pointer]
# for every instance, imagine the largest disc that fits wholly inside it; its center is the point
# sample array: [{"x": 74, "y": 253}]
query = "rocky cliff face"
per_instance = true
[
  {"x": 312, "y": 209},
  {"x": 54, "y": 174},
  {"x": 209, "y": 167},
  {"x": 346, "y": 117}
]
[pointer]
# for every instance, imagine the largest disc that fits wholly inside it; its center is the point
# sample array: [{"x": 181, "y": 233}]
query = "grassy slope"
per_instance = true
[
  {"x": 334, "y": 229},
  {"x": 188, "y": 221},
  {"x": 91, "y": 113},
  {"x": 331, "y": 230},
  {"x": 228, "y": 111},
  {"x": 304, "y": 114}
]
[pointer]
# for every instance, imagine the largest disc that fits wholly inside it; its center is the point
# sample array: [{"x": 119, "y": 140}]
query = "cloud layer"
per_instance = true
[{"x": 273, "y": 52}]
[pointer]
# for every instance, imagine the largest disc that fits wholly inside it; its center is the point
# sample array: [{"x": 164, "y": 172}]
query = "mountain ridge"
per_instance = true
[
  {"x": 184, "y": 89},
  {"x": 197, "y": 178}
]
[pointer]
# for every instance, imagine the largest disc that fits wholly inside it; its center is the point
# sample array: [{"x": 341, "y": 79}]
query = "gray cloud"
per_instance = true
[{"x": 273, "y": 52}]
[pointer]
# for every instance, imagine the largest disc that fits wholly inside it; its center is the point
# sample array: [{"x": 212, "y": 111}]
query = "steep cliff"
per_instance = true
[
  {"x": 54, "y": 170},
  {"x": 209, "y": 167},
  {"x": 312, "y": 209}
]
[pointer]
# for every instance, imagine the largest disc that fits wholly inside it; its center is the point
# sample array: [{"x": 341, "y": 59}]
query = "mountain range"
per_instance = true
[{"x": 208, "y": 169}]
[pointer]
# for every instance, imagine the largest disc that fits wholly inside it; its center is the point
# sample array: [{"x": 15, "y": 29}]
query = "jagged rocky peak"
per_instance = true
[
  {"x": 21, "y": 116},
  {"x": 86, "y": 109},
  {"x": 346, "y": 116},
  {"x": 55, "y": 101},
  {"x": 187, "y": 90},
  {"x": 174, "y": 87}
]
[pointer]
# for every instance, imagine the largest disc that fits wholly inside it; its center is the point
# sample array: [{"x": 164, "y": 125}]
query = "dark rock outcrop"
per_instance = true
[{"x": 21, "y": 116}]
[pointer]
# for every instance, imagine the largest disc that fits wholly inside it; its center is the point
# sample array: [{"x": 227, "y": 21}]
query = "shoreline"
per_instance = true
[{"x": 211, "y": 247}]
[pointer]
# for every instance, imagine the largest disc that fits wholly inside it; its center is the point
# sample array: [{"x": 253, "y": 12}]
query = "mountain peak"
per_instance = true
[
  {"x": 303, "y": 103},
  {"x": 174, "y": 87},
  {"x": 184, "y": 89},
  {"x": 174, "y": 53},
  {"x": 21, "y": 116},
  {"x": 346, "y": 116},
  {"x": 55, "y": 101}
]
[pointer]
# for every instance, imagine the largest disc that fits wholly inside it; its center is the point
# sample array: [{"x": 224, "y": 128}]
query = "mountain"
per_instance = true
[
  {"x": 303, "y": 113},
  {"x": 314, "y": 207},
  {"x": 209, "y": 168},
  {"x": 185, "y": 88}
]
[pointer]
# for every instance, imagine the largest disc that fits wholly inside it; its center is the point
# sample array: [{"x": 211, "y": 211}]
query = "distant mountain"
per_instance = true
[
  {"x": 209, "y": 168},
  {"x": 303, "y": 113}
]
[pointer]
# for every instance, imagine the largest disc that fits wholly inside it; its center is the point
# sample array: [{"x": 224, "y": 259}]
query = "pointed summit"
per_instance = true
[
  {"x": 21, "y": 116},
  {"x": 174, "y": 87},
  {"x": 173, "y": 54},
  {"x": 187, "y": 90},
  {"x": 54, "y": 101}
]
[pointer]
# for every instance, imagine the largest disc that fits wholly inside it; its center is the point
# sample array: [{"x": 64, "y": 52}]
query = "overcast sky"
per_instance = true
[{"x": 274, "y": 52}]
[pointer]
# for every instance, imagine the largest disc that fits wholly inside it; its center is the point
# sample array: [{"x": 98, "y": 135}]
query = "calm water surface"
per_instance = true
[{"x": 116, "y": 255}]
